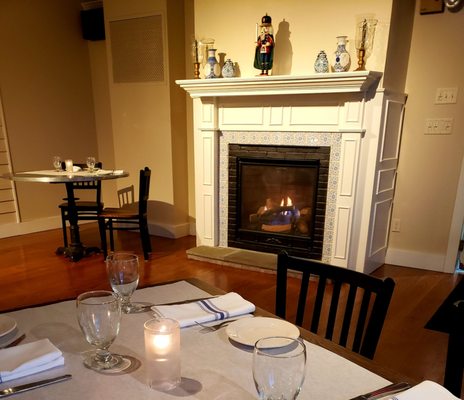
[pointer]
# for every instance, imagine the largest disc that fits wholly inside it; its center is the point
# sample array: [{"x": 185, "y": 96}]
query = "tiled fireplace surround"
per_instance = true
[{"x": 344, "y": 111}]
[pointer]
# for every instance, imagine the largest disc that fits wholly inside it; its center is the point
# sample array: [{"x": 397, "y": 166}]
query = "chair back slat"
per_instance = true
[
  {"x": 333, "y": 310},
  {"x": 348, "y": 307},
  {"x": 318, "y": 304},
  {"x": 302, "y": 298},
  {"x": 144, "y": 190},
  {"x": 362, "y": 317},
  {"x": 348, "y": 315}
]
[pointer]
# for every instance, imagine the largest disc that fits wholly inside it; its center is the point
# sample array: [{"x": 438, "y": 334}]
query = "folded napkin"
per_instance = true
[
  {"x": 104, "y": 171},
  {"x": 217, "y": 308},
  {"x": 28, "y": 359},
  {"x": 426, "y": 390}
]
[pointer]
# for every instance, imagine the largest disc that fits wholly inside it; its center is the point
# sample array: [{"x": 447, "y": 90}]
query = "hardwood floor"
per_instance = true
[{"x": 31, "y": 273}]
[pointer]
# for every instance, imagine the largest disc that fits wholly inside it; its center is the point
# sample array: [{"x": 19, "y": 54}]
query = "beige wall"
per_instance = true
[
  {"x": 46, "y": 92},
  {"x": 313, "y": 26},
  {"x": 148, "y": 118},
  {"x": 430, "y": 164}
]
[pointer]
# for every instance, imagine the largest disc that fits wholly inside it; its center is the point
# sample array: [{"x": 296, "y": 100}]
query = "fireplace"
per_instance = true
[
  {"x": 277, "y": 198},
  {"x": 345, "y": 114}
]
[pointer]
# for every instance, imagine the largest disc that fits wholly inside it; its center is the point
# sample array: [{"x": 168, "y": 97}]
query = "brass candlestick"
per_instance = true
[
  {"x": 361, "y": 60},
  {"x": 196, "y": 70},
  {"x": 365, "y": 31}
]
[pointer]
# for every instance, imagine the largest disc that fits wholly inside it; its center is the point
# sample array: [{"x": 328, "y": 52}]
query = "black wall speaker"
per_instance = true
[{"x": 93, "y": 24}]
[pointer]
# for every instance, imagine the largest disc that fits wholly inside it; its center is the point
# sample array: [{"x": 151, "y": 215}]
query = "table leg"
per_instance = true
[{"x": 76, "y": 250}]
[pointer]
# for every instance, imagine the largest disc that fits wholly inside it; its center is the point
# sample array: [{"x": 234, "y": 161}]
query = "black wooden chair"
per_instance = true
[
  {"x": 128, "y": 217},
  {"x": 454, "y": 367},
  {"x": 344, "y": 306},
  {"x": 86, "y": 210}
]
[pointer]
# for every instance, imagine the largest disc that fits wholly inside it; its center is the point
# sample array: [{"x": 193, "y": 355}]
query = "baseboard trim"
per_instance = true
[
  {"x": 168, "y": 230},
  {"x": 45, "y": 224},
  {"x": 23, "y": 228},
  {"x": 414, "y": 259}
]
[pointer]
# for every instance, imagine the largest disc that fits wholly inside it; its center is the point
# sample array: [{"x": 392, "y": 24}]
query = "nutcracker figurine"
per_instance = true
[{"x": 264, "y": 52}]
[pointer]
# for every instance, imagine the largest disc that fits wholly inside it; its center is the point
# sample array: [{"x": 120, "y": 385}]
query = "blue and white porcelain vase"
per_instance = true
[
  {"x": 342, "y": 59},
  {"x": 212, "y": 67},
  {"x": 322, "y": 63},
  {"x": 228, "y": 70}
]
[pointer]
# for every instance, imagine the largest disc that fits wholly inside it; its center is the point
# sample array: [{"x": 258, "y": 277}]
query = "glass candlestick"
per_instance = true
[
  {"x": 364, "y": 41},
  {"x": 162, "y": 353}
]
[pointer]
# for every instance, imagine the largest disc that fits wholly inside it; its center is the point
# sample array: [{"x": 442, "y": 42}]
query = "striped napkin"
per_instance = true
[
  {"x": 217, "y": 308},
  {"x": 426, "y": 390},
  {"x": 27, "y": 359}
]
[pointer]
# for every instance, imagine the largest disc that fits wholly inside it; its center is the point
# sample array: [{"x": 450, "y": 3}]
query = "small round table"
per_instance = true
[{"x": 76, "y": 250}]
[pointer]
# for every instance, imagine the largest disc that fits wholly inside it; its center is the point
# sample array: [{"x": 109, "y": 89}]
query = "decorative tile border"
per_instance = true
[{"x": 330, "y": 139}]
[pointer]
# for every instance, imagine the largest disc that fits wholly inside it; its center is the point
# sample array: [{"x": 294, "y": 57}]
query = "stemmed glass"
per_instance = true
[
  {"x": 279, "y": 365},
  {"x": 99, "y": 316},
  {"x": 57, "y": 163},
  {"x": 123, "y": 274},
  {"x": 91, "y": 163}
]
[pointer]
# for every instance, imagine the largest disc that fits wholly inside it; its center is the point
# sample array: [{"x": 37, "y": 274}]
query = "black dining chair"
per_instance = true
[
  {"x": 128, "y": 217},
  {"x": 454, "y": 367},
  {"x": 344, "y": 306},
  {"x": 86, "y": 209}
]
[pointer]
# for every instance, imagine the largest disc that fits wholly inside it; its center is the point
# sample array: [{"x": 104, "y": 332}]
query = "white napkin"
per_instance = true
[
  {"x": 217, "y": 308},
  {"x": 28, "y": 359},
  {"x": 104, "y": 171},
  {"x": 426, "y": 390}
]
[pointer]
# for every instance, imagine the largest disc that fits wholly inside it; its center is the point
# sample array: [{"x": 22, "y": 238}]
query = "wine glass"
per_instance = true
[
  {"x": 279, "y": 367},
  {"x": 57, "y": 163},
  {"x": 123, "y": 274},
  {"x": 90, "y": 163},
  {"x": 99, "y": 316}
]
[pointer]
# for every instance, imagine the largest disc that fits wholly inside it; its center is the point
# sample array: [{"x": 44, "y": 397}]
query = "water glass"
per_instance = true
[
  {"x": 123, "y": 274},
  {"x": 162, "y": 353},
  {"x": 57, "y": 163},
  {"x": 279, "y": 365},
  {"x": 99, "y": 316},
  {"x": 90, "y": 163}
]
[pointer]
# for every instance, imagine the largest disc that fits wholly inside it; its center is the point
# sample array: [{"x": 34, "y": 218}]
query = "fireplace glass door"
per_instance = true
[{"x": 277, "y": 205}]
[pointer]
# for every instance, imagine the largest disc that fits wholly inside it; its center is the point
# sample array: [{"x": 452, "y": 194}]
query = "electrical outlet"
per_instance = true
[
  {"x": 438, "y": 126},
  {"x": 395, "y": 225},
  {"x": 446, "y": 95}
]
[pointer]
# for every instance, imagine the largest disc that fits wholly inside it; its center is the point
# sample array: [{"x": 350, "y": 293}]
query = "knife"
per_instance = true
[
  {"x": 383, "y": 392},
  {"x": 33, "y": 385}
]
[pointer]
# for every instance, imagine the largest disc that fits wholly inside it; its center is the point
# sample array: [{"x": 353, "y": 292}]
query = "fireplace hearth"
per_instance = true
[{"x": 277, "y": 198}]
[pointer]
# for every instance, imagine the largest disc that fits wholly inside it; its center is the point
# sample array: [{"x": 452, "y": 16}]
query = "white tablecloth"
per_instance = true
[{"x": 212, "y": 366}]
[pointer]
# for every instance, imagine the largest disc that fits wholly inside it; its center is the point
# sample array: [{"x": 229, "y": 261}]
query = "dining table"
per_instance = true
[
  {"x": 213, "y": 365},
  {"x": 76, "y": 249}
]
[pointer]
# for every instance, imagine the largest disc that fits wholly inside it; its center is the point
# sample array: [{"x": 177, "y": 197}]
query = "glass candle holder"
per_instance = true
[
  {"x": 162, "y": 353},
  {"x": 69, "y": 165}
]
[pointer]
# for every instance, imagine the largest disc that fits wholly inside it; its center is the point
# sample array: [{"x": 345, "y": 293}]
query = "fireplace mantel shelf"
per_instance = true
[{"x": 341, "y": 82}]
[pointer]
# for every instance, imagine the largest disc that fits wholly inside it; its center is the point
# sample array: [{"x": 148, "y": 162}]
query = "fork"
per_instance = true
[{"x": 212, "y": 328}]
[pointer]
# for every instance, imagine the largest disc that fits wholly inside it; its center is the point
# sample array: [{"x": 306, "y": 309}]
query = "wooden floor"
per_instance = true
[{"x": 31, "y": 273}]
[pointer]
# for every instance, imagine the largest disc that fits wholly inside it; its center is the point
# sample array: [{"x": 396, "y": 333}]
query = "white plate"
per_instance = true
[
  {"x": 249, "y": 330},
  {"x": 7, "y": 324}
]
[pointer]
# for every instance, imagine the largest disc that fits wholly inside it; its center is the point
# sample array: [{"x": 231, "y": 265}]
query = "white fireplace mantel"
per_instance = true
[
  {"x": 344, "y": 82},
  {"x": 345, "y": 111}
]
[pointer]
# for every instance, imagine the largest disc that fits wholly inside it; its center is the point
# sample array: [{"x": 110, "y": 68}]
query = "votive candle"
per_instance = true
[
  {"x": 162, "y": 353},
  {"x": 69, "y": 165}
]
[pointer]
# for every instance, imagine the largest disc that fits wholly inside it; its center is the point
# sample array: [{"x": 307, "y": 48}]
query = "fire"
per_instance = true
[{"x": 288, "y": 202}]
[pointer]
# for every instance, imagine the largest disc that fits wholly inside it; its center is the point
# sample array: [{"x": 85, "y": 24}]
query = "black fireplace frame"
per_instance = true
[{"x": 310, "y": 156}]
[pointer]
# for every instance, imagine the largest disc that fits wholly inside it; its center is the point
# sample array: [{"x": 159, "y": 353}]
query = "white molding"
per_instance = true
[
  {"x": 414, "y": 259},
  {"x": 343, "y": 82},
  {"x": 36, "y": 225}
]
